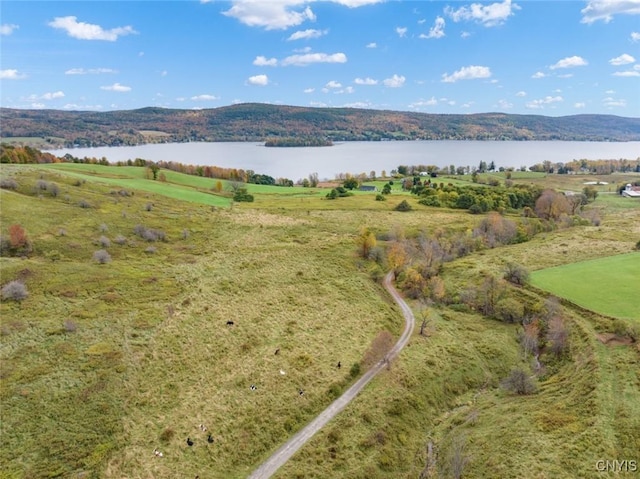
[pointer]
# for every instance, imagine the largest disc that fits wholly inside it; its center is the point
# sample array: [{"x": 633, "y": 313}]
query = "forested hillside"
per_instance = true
[{"x": 261, "y": 122}]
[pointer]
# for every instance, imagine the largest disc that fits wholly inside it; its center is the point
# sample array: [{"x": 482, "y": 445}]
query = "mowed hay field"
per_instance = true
[
  {"x": 103, "y": 363},
  {"x": 609, "y": 285}
]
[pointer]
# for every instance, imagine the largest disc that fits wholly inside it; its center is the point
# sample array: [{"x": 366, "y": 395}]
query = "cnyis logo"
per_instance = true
[{"x": 617, "y": 465}]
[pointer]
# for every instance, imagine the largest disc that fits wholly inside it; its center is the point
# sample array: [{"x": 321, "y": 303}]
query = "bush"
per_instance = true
[
  {"x": 516, "y": 274},
  {"x": 519, "y": 382},
  {"x": 380, "y": 197},
  {"x": 8, "y": 184},
  {"x": 14, "y": 291},
  {"x": 101, "y": 256},
  {"x": 403, "y": 206},
  {"x": 104, "y": 242},
  {"x": 242, "y": 195},
  {"x": 84, "y": 204},
  {"x": 120, "y": 240}
]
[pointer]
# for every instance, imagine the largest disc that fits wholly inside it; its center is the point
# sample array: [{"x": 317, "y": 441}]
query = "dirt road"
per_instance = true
[{"x": 282, "y": 455}]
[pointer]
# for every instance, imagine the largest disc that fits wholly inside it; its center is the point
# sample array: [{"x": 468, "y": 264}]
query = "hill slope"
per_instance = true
[{"x": 257, "y": 122}]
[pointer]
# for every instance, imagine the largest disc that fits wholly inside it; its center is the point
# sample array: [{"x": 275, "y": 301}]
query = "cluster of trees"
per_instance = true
[
  {"x": 598, "y": 167},
  {"x": 476, "y": 199},
  {"x": 296, "y": 142},
  {"x": 25, "y": 155}
]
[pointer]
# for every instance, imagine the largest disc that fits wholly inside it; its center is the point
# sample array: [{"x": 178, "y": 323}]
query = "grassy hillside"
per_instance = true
[{"x": 103, "y": 363}]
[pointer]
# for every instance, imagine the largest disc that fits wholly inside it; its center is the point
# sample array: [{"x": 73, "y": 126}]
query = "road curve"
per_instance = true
[{"x": 282, "y": 455}]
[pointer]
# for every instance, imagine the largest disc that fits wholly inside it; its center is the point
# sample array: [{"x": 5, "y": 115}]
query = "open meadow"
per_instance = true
[{"x": 153, "y": 307}]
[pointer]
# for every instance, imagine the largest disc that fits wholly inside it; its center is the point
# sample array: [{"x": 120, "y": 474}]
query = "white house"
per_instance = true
[{"x": 631, "y": 191}]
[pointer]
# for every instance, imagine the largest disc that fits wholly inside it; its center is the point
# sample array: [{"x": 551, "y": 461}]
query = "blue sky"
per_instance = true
[{"x": 528, "y": 57}]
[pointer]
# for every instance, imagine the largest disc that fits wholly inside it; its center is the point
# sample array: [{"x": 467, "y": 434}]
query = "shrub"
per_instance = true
[
  {"x": 151, "y": 250},
  {"x": 101, "y": 256},
  {"x": 519, "y": 382},
  {"x": 354, "y": 372},
  {"x": 70, "y": 326},
  {"x": 242, "y": 195},
  {"x": 103, "y": 228},
  {"x": 8, "y": 184},
  {"x": 516, "y": 274},
  {"x": 14, "y": 291},
  {"x": 403, "y": 206},
  {"x": 120, "y": 240},
  {"x": 148, "y": 207},
  {"x": 104, "y": 242},
  {"x": 54, "y": 189},
  {"x": 84, "y": 204},
  {"x": 41, "y": 185},
  {"x": 380, "y": 197}
]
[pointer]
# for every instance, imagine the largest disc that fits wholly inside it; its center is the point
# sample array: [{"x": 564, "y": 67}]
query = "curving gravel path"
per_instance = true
[{"x": 282, "y": 455}]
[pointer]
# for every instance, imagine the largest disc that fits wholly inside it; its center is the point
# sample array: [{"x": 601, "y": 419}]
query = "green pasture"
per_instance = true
[{"x": 609, "y": 285}]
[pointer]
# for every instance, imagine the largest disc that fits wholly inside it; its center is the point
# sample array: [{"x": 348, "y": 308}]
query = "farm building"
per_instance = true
[
  {"x": 367, "y": 188},
  {"x": 631, "y": 191}
]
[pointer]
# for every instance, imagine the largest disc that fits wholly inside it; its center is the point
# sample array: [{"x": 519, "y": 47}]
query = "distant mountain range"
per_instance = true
[{"x": 260, "y": 122}]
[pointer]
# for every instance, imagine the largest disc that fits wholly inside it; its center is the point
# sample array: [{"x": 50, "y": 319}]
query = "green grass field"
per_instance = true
[
  {"x": 609, "y": 285},
  {"x": 102, "y": 363}
]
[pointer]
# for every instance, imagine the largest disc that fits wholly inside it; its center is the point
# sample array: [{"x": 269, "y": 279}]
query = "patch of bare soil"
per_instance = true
[{"x": 611, "y": 339}]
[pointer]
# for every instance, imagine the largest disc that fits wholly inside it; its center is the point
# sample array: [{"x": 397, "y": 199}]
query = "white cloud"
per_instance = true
[
  {"x": 437, "y": 30},
  {"x": 628, "y": 73},
  {"x": 580, "y": 104},
  {"x": 566, "y": 75},
  {"x": 52, "y": 96},
  {"x": 623, "y": 59},
  {"x": 521, "y": 93},
  {"x": 348, "y": 89},
  {"x": 401, "y": 31},
  {"x": 90, "y": 71},
  {"x": 8, "y": 28},
  {"x": 261, "y": 80},
  {"x": 204, "y": 97},
  {"x": 116, "y": 87},
  {"x": 613, "y": 102},
  {"x": 635, "y": 36},
  {"x": 333, "y": 84},
  {"x": 423, "y": 103},
  {"x": 488, "y": 15},
  {"x": 309, "y": 58},
  {"x": 358, "y": 104},
  {"x": 356, "y": 3},
  {"x": 270, "y": 15},
  {"x": 471, "y": 72},
  {"x": 11, "y": 74},
  {"x": 309, "y": 90},
  {"x": 365, "y": 81},
  {"x": 539, "y": 104},
  {"x": 306, "y": 34},
  {"x": 465, "y": 35},
  {"x": 537, "y": 75},
  {"x": 605, "y": 9},
  {"x": 569, "y": 62},
  {"x": 372, "y": 45},
  {"x": 88, "y": 31},
  {"x": 504, "y": 104},
  {"x": 265, "y": 62},
  {"x": 396, "y": 81}
]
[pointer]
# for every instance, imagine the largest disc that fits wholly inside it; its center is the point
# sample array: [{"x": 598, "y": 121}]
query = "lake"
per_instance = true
[{"x": 362, "y": 156}]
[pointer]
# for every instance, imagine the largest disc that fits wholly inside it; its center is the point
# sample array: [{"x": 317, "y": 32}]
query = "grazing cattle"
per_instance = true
[
  {"x": 209, "y": 439},
  {"x": 253, "y": 387},
  {"x": 300, "y": 392},
  {"x": 277, "y": 351},
  {"x": 229, "y": 323},
  {"x": 189, "y": 442},
  {"x": 339, "y": 365},
  {"x": 203, "y": 428},
  {"x": 282, "y": 372},
  {"x": 157, "y": 453}
]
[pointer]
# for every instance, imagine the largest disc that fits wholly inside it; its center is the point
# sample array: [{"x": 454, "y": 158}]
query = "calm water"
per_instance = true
[{"x": 363, "y": 157}]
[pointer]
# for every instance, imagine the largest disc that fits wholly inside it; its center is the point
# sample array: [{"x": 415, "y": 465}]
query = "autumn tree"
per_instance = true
[
  {"x": 551, "y": 205},
  {"x": 397, "y": 256},
  {"x": 366, "y": 241},
  {"x": 558, "y": 335}
]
